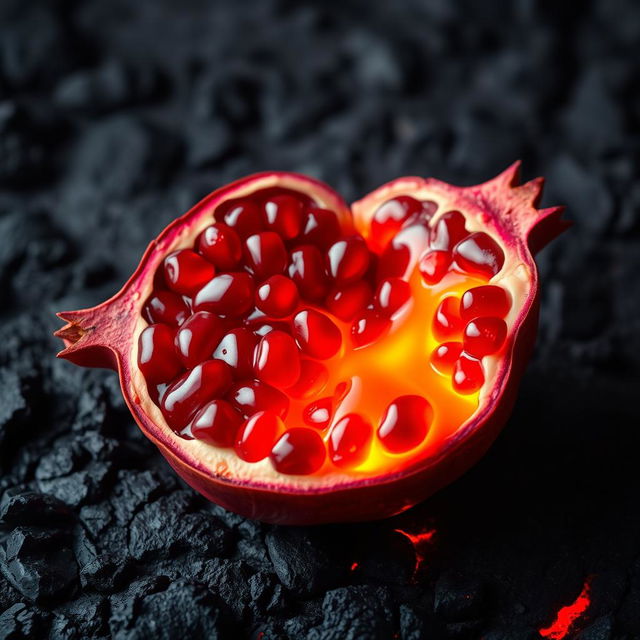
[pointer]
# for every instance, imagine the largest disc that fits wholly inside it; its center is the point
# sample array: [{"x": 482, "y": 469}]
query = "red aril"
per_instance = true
[
  {"x": 434, "y": 265},
  {"x": 217, "y": 423},
  {"x": 320, "y": 228},
  {"x": 284, "y": 215},
  {"x": 221, "y": 246},
  {"x": 448, "y": 231},
  {"x": 214, "y": 348},
  {"x": 318, "y": 414},
  {"x": 486, "y": 300},
  {"x": 468, "y": 375},
  {"x": 228, "y": 294},
  {"x": 444, "y": 356},
  {"x": 313, "y": 379},
  {"x": 245, "y": 217},
  {"x": 299, "y": 451},
  {"x": 185, "y": 272},
  {"x": 277, "y": 297},
  {"x": 197, "y": 338},
  {"x": 368, "y": 328},
  {"x": 446, "y": 320},
  {"x": 391, "y": 296},
  {"x": 484, "y": 336},
  {"x": 252, "y": 395},
  {"x": 316, "y": 334},
  {"x": 276, "y": 360},
  {"x": 236, "y": 349},
  {"x": 265, "y": 254},
  {"x": 257, "y": 435},
  {"x": 306, "y": 269},
  {"x": 345, "y": 301},
  {"x": 157, "y": 358},
  {"x": 479, "y": 254},
  {"x": 349, "y": 441},
  {"x": 405, "y": 423},
  {"x": 206, "y": 381},
  {"x": 348, "y": 259},
  {"x": 393, "y": 214},
  {"x": 165, "y": 307}
]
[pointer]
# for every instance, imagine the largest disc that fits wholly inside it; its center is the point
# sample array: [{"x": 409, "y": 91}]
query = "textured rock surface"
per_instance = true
[{"x": 116, "y": 116}]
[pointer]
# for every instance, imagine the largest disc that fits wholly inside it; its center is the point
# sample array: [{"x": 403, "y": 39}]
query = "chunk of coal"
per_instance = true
[
  {"x": 601, "y": 629},
  {"x": 31, "y": 508},
  {"x": 39, "y": 564},
  {"x": 303, "y": 561},
  {"x": 80, "y": 487},
  {"x": 458, "y": 597},
  {"x": 171, "y": 524},
  {"x": 20, "y": 622},
  {"x": 356, "y": 612},
  {"x": 182, "y": 610}
]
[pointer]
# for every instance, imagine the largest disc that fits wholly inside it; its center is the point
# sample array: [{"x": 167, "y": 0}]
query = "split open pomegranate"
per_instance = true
[{"x": 300, "y": 361}]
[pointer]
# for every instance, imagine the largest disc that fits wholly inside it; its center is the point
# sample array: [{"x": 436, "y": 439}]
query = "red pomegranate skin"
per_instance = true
[{"x": 103, "y": 336}]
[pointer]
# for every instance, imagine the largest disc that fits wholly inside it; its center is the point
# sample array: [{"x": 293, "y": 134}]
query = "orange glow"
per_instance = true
[
  {"x": 354, "y": 566},
  {"x": 397, "y": 365},
  {"x": 418, "y": 542},
  {"x": 567, "y": 616}
]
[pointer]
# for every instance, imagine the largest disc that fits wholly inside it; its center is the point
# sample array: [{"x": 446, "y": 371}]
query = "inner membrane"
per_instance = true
[{"x": 409, "y": 355}]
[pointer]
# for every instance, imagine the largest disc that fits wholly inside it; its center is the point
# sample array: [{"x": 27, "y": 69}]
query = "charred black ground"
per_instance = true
[{"x": 116, "y": 116}]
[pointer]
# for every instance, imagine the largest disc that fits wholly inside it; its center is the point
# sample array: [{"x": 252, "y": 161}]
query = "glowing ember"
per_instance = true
[
  {"x": 354, "y": 566},
  {"x": 566, "y": 617},
  {"x": 418, "y": 541}
]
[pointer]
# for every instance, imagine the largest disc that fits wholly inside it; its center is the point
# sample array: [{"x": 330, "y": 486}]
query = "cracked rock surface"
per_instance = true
[{"x": 115, "y": 117}]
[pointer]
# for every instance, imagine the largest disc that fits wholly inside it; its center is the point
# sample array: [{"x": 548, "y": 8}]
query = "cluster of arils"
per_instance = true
[{"x": 275, "y": 291}]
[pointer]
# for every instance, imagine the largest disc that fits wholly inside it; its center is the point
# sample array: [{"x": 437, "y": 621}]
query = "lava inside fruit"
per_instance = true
[{"x": 250, "y": 311}]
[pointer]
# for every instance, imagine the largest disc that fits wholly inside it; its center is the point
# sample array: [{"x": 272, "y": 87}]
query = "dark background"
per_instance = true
[{"x": 117, "y": 116}]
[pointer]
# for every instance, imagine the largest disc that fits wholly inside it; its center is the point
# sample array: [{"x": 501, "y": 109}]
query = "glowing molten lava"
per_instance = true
[
  {"x": 567, "y": 616},
  {"x": 418, "y": 542}
]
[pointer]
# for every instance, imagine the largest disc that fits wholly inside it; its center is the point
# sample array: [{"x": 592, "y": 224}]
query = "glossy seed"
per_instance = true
[
  {"x": 444, "y": 356},
  {"x": 468, "y": 375},
  {"x": 217, "y": 423},
  {"x": 251, "y": 396},
  {"x": 228, "y": 294},
  {"x": 448, "y": 231},
  {"x": 316, "y": 334},
  {"x": 320, "y": 228},
  {"x": 434, "y": 265},
  {"x": 484, "y": 336},
  {"x": 446, "y": 323},
  {"x": 299, "y": 451},
  {"x": 479, "y": 254},
  {"x": 276, "y": 359},
  {"x": 306, "y": 269},
  {"x": 236, "y": 349},
  {"x": 157, "y": 358},
  {"x": 205, "y": 382},
  {"x": 348, "y": 259},
  {"x": 318, "y": 414},
  {"x": 283, "y": 214},
  {"x": 265, "y": 254},
  {"x": 245, "y": 217},
  {"x": 368, "y": 328},
  {"x": 405, "y": 423},
  {"x": 186, "y": 272},
  {"x": 197, "y": 338},
  {"x": 277, "y": 297},
  {"x": 257, "y": 435},
  {"x": 312, "y": 381},
  {"x": 350, "y": 440},
  {"x": 221, "y": 246},
  {"x": 486, "y": 300},
  {"x": 346, "y": 301},
  {"x": 165, "y": 307},
  {"x": 391, "y": 296}
]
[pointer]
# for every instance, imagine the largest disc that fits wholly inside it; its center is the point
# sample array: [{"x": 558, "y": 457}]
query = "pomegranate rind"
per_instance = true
[{"x": 104, "y": 336}]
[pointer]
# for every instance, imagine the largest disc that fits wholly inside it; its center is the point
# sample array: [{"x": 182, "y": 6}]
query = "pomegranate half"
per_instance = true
[{"x": 299, "y": 361}]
